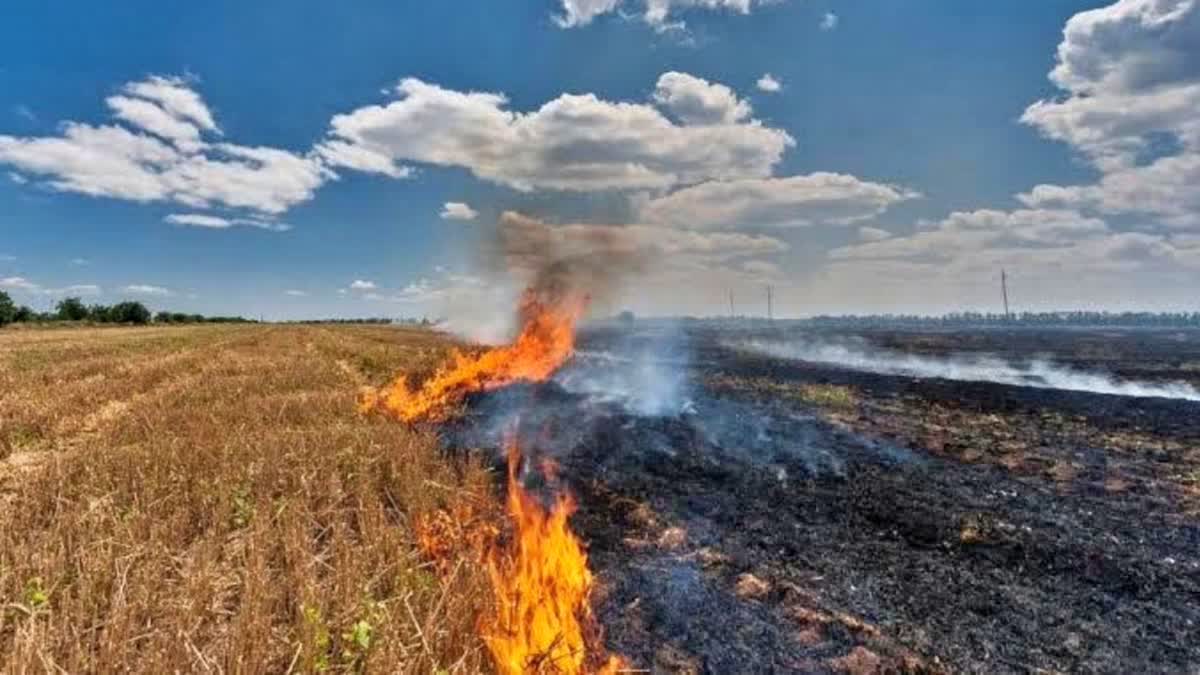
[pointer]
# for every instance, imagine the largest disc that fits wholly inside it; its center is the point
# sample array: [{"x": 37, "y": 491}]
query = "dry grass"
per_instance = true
[
  {"x": 206, "y": 499},
  {"x": 831, "y": 396}
]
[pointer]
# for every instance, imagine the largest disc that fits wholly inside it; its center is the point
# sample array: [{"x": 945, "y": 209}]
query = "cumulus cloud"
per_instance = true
[
  {"x": 147, "y": 289},
  {"x": 221, "y": 223},
  {"x": 363, "y": 285},
  {"x": 165, "y": 152},
  {"x": 769, "y": 83},
  {"x": 295, "y": 293},
  {"x": 868, "y": 233},
  {"x": 574, "y": 142},
  {"x": 32, "y": 288},
  {"x": 969, "y": 232},
  {"x": 657, "y": 13},
  {"x": 457, "y": 211},
  {"x": 793, "y": 201},
  {"x": 1130, "y": 74},
  {"x": 829, "y": 21},
  {"x": 693, "y": 100}
]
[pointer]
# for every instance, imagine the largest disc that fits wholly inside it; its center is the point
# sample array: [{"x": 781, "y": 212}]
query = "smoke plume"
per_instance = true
[{"x": 1039, "y": 372}]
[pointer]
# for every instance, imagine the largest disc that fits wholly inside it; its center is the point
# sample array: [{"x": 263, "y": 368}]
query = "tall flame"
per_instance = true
[
  {"x": 543, "y": 618},
  {"x": 542, "y": 621},
  {"x": 546, "y": 340}
]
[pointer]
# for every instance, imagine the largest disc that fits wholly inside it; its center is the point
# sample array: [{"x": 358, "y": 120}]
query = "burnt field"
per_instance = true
[{"x": 751, "y": 513}]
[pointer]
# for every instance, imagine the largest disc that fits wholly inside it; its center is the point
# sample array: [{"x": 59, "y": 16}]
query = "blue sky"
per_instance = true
[{"x": 902, "y": 159}]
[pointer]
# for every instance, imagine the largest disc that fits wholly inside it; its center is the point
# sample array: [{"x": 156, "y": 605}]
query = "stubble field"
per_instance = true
[{"x": 206, "y": 499}]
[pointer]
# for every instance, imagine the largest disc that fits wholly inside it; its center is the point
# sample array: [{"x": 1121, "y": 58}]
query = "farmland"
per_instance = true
[
  {"x": 211, "y": 498},
  {"x": 206, "y": 499}
]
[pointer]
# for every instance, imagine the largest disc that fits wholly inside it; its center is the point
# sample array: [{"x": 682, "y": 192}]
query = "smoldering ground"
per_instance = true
[{"x": 1040, "y": 371}]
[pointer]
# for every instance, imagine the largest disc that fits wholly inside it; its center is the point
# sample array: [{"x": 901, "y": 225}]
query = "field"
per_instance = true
[
  {"x": 206, "y": 499},
  {"x": 209, "y": 499}
]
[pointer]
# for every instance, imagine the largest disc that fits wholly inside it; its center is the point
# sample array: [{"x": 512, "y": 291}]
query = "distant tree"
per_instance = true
[
  {"x": 8, "y": 311},
  {"x": 626, "y": 317},
  {"x": 129, "y": 312},
  {"x": 162, "y": 317},
  {"x": 100, "y": 313},
  {"x": 25, "y": 314},
  {"x": 71, "y": 309}
]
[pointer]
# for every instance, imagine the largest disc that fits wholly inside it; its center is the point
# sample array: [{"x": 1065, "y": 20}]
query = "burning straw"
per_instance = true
[{"x": 542, "y": 620}]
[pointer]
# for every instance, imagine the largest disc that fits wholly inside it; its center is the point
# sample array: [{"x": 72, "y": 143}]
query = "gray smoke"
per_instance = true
[
  {"x": 1040, "y": 372},
  {"x": 643, "y": 372}
]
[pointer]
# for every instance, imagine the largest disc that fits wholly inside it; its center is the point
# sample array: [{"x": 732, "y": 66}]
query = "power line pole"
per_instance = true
[
  {"x": 1004, "y": 291},
  {"x": 770, "y": 309}
]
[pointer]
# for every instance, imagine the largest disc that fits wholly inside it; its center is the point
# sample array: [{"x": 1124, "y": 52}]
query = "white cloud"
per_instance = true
[
  {"x": 769, "y": 83},
  {"x": 136, "y": 164},
  {"x": 17, "y": 178},
  {"x": 18, "y": 283},
  {"x": 295, "y": 293},
  {"x": 829, "y": 21},
  {"x": 963, "y": 234},
  {"x": 4, "y": 257},
  {"x": 574, "y": 142},
  {"x": 25, "y": 112},
  {"x": 174, "y": 96},
  {"x": 868, "y": 233},
  {"x": 457, "y": 211},
  {"x": 362, "y": 285},
  {"x": 762, "y": 268},
  {"x": 79, "y": 262},
  {"x": 147, "y": 289},
  {"x": 793, "y": 201},
  {"x": 657, "y": 13},
  {"x": 1130, "y": 73},
  {"x": 221, "y": 223},
  {"x": 149, "y": 116},
  {"x": 360, "y": 158},
  {"x": 23, "y": 284},
  {"x": 697, "y": 101}
]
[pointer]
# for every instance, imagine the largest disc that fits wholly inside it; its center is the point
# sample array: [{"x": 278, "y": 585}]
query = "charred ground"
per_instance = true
[{"x": 796, "y": 517}]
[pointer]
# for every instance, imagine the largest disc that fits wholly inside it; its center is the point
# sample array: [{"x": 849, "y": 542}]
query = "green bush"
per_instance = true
[
  {"x": 129, "y": 312},
  {"x": 71, "y": 309},
  {"x": 8, "y": 311}
]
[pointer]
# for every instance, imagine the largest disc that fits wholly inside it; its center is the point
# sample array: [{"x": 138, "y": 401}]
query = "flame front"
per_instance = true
[
  {"x": 546, "y": 340},
  {"x": 542, "y": 619},
  {"x": 543, "y": 616}
]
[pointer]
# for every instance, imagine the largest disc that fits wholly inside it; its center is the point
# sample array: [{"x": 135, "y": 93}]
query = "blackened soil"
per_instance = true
[{"x": 925, "y": 526}]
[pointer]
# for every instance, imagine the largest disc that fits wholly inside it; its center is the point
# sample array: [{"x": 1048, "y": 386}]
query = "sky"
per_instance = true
[{"x": 301, "y": 159}]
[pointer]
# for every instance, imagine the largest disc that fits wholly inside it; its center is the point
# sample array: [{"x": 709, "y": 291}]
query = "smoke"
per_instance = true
[
  {"x": 643, "y": 372},
  {"x": 1039, "y": 372}
]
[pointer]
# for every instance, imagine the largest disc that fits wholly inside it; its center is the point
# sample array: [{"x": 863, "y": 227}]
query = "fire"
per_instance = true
[
  {"x": 543, "y": 618},
  {"x": 546, "y": 340}
]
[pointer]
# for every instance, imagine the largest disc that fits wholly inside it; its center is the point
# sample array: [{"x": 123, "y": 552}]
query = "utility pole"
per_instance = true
[
  {"x": 770, "y": 309},
  {"x": 1004, "y": 291}
]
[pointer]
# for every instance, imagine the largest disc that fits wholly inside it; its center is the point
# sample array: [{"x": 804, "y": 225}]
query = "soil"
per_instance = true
[{"x": 799, "y": 517}]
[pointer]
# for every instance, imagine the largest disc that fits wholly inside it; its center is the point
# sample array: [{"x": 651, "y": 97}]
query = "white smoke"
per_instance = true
[
  {"x": 644, "y": 373},
  {"x": 1040, "y": 372}
]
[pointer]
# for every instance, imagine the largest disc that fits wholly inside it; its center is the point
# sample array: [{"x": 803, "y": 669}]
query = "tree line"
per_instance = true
[
  {"x": 1017, "y": 319},
  {"x": 128, "y": 312}
]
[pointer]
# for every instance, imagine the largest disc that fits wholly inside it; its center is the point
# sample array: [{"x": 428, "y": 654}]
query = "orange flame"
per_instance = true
[
  {"x": 546, "y": 340},
  {"x": 543, "y": 619}
]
